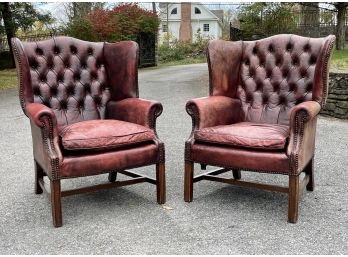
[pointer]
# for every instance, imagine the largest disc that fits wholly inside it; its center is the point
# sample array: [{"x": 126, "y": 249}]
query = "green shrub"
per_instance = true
[
  {"x": 123, "y": 22},
  {"x": 177, "y": 50},
  {"x": 82, "y": 29}
]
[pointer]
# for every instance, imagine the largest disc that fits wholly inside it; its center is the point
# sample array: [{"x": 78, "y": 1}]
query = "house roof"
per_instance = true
[{"x": 216, "y": 14}]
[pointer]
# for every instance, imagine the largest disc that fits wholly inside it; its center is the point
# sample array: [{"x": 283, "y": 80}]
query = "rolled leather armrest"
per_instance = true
[
  {"x": 135, "y": 110},
  {"x": 310, "y": 108},
  {"x": 301, "y": 146},
  {"x": 213, "y": 111},
  {"x": 36, "y": 111},
  {"x": 45, "y": 137}
]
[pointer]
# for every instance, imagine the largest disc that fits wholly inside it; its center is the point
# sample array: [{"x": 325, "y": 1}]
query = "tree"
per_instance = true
[
  {"x": 341, "y": 9},
  {"x": 18, "y": 15},
  {"x": 77, "y": 10},
  {"x": 262, "y": 19},
  {"x": 154, "y": 7},
  {"x": 312, "y": 14},
  {"x": 228, "y": 17},
  {"x": 123, "y": 22}
]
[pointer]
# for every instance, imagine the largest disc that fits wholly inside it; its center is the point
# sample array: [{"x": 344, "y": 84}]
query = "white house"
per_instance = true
[{"x": 184, "y": 20}]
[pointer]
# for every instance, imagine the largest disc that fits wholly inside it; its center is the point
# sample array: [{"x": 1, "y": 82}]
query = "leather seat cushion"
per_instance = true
[
  {"x": 246, "y": 135},
  {"x": 103, "y": 135}
]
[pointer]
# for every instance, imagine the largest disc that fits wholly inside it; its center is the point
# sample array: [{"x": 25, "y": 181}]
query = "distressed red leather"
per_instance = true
[
  {"x": 103, "y": 135},
  {"x": 86, "y": 164},
  {"x": 279, "y": 82},
  {"x": 85, "y": 116},
  {"x": 237, "y": 158},
  {"x": 80, "y": 95},
  {"x": 135, "y": 110},
  {"x": 214, "y": 110},
  {"x": 246, "y": 135}
]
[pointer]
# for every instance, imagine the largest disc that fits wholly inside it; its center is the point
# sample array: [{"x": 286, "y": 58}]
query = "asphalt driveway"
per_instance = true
[{"x": 222, "y": 219}]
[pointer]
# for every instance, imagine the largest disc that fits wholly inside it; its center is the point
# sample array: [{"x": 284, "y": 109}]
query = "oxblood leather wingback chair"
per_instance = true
[
  {"x": 85, "y": 114},
  {"x": 262, "y": 111}
]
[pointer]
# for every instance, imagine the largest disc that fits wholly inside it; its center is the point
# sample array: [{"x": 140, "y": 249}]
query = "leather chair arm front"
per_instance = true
[
  {"x": 301, "y": 146},
  {"x": 213, "y": 111},
  {"x": 135, "y": 110},
  {"x": 36, "y": 111},
  {"x": 44, "y": 129}
]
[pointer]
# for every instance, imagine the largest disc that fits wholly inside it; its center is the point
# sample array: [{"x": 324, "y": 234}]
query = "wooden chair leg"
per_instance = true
[
  {"x": 161, "y": 183},
  {"x": 294, "y": 194},
  {"x": 237, "y": 174},
  {"x": 112, "y": 176},
  {"x": 309, "y": 170},
  {"x": 203, "y": 166},
  {"x": 188, "y": 181},
  {"x": 39, "y": 174},
  {"x": 56, "y": 203}
]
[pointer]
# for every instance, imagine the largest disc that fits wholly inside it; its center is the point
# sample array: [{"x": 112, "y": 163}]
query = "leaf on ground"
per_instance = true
[{"x": 166, "y": 207}]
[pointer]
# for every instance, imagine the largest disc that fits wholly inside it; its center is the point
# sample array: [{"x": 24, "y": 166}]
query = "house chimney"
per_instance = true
[{"x": 185, "y": 33}]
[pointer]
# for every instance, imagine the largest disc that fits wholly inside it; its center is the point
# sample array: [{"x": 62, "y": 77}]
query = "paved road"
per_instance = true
[{"x": 221, "y": 220}]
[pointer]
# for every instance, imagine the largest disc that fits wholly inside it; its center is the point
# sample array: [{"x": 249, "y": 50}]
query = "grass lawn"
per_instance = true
[
  {"x": 339, "y": 59},
  {"x": 8, "y": 79},
  {"x": 190, "y": 60}
]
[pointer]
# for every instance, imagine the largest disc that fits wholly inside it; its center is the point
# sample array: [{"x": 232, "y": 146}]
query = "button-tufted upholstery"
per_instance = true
[
  {"x": 83, "y": 96},
  {"x": 68, "y": 76},
  {"x": 275, "y": 74},
  {"x": 261, "y": 114}
]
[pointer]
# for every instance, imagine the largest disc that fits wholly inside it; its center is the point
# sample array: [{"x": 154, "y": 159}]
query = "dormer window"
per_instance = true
[
  {"x": 174, "y": 11},
  {"x": 197, "y": 11}
]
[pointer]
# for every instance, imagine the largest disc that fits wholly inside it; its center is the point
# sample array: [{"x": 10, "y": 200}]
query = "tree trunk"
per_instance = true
[
  {"x": 154, "y": 7},
  {"x": 340, "y": 27},
  {"x": 74, "y": 10},
  {"x": 9, "y": 28},
  {"x": 311, "y": 18}
]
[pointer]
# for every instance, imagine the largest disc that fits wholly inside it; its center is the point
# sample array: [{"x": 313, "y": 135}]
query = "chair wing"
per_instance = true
[
  {"x": 85, "y": 114},
  {"x": 261, "y": 114}
]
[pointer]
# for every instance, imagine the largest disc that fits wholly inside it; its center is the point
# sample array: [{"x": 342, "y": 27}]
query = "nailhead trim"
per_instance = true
[
  {"x": 325, "y": 70},
  {"x": 245, "y": 169},
  {"x": 136, "y": 71},
  {"x": 192, "y": 110},
  {"x": 103, "y": 172},
  {"x": 303, "y": 116},
  {"x": 47, "y": 133},
  {"x": 47, "y": 138},
  {"x": 161, "y": 152},
  {"x": 19, "y": 74},
  {"x": 155, "y": 112}
]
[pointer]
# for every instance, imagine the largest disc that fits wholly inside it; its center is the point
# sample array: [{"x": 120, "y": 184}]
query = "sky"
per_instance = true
[{"x": 58, "y": 11}]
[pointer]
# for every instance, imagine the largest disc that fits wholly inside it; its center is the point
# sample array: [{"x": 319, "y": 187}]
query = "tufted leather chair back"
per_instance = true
[
  {"x": 72, "y": 77},
  {"x": 271, "y": 75}
]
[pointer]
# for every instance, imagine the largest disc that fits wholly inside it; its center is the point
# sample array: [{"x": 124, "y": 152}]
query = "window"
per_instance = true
[
  {"x": 174, "y": 11},
  {"x": 197, "y": 11},
  {"x": 164, "y": 28},
  {"x": 205, "y": 27}
]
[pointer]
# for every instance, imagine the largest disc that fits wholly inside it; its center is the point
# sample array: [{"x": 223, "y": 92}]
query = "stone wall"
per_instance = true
[{"x": 337, "y": 101}]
